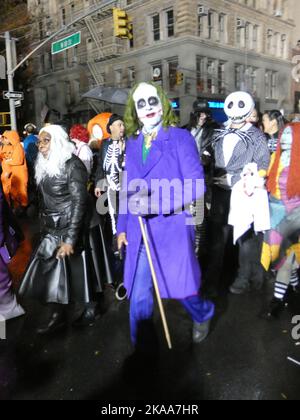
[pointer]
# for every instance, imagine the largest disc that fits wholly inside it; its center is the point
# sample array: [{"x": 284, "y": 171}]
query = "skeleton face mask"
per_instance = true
[
  {"x": 148, "y": 106},
  {"x": 239, "y": 106}
]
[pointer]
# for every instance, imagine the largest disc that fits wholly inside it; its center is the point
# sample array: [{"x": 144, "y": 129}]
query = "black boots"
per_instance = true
[
  {"x": 274, "y": 310},
  {"x": 200, "y": 331},
  {"x": 276, "y": 306},
  {"x": 88, "y": 317},
  {"x": 56, "y": 323},
  {"x": 58, "y": 319}
]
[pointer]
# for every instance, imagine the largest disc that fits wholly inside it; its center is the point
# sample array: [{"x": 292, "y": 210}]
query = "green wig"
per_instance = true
[{"x": 131, "y": 120}]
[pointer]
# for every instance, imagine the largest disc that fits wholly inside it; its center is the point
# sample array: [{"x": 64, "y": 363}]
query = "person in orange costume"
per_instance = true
[{"x": 14, "y": 175}]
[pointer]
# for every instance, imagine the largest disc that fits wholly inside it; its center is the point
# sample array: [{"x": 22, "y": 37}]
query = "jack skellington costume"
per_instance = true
[
  {"x": 241, "y": 143},
  {"x": 235, "y": 147}
]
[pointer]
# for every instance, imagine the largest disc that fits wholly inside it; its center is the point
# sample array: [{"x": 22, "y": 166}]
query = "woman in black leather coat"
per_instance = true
[{"x": 60, "y": 271}]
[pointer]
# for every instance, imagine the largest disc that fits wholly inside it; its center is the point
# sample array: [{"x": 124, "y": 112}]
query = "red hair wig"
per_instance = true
[
  {"x": 78, "y": 132},
  {"x": 293, "y": 184}
]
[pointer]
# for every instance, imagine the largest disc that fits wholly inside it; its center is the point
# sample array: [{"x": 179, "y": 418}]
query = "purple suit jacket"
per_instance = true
[{"x": 173, "y": 156}]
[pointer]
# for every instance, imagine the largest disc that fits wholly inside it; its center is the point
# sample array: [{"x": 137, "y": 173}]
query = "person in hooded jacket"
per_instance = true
[{"x": 14, "y": 175}]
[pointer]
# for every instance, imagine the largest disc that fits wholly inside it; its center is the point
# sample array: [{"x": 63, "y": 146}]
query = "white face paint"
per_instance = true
[
  {"x": 97, "y": 132},
  {"x": 148, "y": 106}
]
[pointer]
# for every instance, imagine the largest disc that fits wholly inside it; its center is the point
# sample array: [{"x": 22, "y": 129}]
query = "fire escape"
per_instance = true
[{"x": 105, "y": 49}]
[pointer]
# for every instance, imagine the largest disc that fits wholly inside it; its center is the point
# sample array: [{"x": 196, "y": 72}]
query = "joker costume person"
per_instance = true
[{"x": 157, "y": 153}]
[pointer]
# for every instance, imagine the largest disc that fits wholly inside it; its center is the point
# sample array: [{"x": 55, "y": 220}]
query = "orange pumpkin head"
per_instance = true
[{"x": 97, "y": 127}]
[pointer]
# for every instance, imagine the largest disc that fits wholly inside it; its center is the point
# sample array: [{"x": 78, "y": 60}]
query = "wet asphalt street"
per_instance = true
[{"x": 244, "y": 358}]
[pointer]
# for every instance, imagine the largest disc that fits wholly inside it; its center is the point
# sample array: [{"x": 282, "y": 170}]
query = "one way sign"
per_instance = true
[{"x": 13, "y": 95}]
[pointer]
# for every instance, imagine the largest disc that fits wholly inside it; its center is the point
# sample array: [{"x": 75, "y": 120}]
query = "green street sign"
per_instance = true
[{"x": 65, "y": 43}]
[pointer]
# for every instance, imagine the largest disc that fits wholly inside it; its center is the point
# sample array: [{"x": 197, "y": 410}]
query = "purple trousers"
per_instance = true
[
  {"x": 142, "y": 301},
  {"x": 5, "y": 284}
]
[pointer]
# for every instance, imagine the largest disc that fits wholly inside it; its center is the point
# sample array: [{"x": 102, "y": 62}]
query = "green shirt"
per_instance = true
[{"x": 146, "y": 152}]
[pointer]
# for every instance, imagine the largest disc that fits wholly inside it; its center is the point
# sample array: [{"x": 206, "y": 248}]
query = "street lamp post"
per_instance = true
[{"x": 10, "y": 79}]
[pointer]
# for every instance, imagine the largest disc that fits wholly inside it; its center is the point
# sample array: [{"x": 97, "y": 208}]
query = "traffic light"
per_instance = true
[
  {"x": 129, "y": 29},
  {"x": 122, "y": 24},
  {"x": 179, "y": 78}
]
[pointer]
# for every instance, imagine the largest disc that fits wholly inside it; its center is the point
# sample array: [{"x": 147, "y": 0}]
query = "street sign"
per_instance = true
[
  {"x": 66, "y": 43},
  {"x": 18, "y": 103},
  {"x": 13, "y": 95}
]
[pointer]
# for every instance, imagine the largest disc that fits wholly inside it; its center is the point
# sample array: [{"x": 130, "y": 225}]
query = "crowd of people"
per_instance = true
[{"x": 240, "y": 189}]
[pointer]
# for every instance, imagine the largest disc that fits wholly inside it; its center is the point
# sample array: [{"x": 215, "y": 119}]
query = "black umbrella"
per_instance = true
[{"x": 110, "y": 95}]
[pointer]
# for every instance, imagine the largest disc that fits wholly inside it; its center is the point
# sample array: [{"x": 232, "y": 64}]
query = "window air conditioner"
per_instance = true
[
  {"x": 240, "y": 23},
  {"x": 278, "y": 13},
  {"x": 203, "y": 11}
]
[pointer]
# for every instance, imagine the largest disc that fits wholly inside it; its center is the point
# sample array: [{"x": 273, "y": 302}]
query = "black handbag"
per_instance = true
[{"x": 13, "y": 235}]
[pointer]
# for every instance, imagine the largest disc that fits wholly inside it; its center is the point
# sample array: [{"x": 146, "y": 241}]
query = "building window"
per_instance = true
[
  {"x": 201, "y": 25},
  {"x": 269, "y": 40},
  {"x": 221, "y": 78},
  {"x": 210, "y": 71},
  {"x": 222, "y": 33},
  {"x": 131, "y": 76},
  {"x": 271, "y": 84},
  {"x": 50, "y": 62},
  {"x": 41, "y": 30},
  {"x": 275, "y": 42},
  {"x": 210, "y": 24},
  {"x": 211, "y": 76},
  {"x": 239, "y": 76},
  {"x": 157, "y": 73},
  {"x": 283, "y": 44},
  {"x": 247, "y": 33},
  {"x": 42, "y": 63},
  {"x": 239, "y": 37},
  {"x": 255, "y": 37},
  {"x": 173, "y": 66},
  {"x": 63, "y": 16},
  {"x": 170, "y": 23},
  {"x": 251, "y": 80},
  {"x": 118, "y": 78},
  {"x": 200, "y": 74},
  {"x": 246, "y": 78},
  {"x": 156, "y": 27}
]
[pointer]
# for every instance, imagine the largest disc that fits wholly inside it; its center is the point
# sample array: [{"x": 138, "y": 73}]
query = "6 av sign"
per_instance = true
[{"x": 13, "y": 95}]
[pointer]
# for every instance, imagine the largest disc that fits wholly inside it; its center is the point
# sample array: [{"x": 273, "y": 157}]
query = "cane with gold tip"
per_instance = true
[{"x": 155, "y": 282}]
